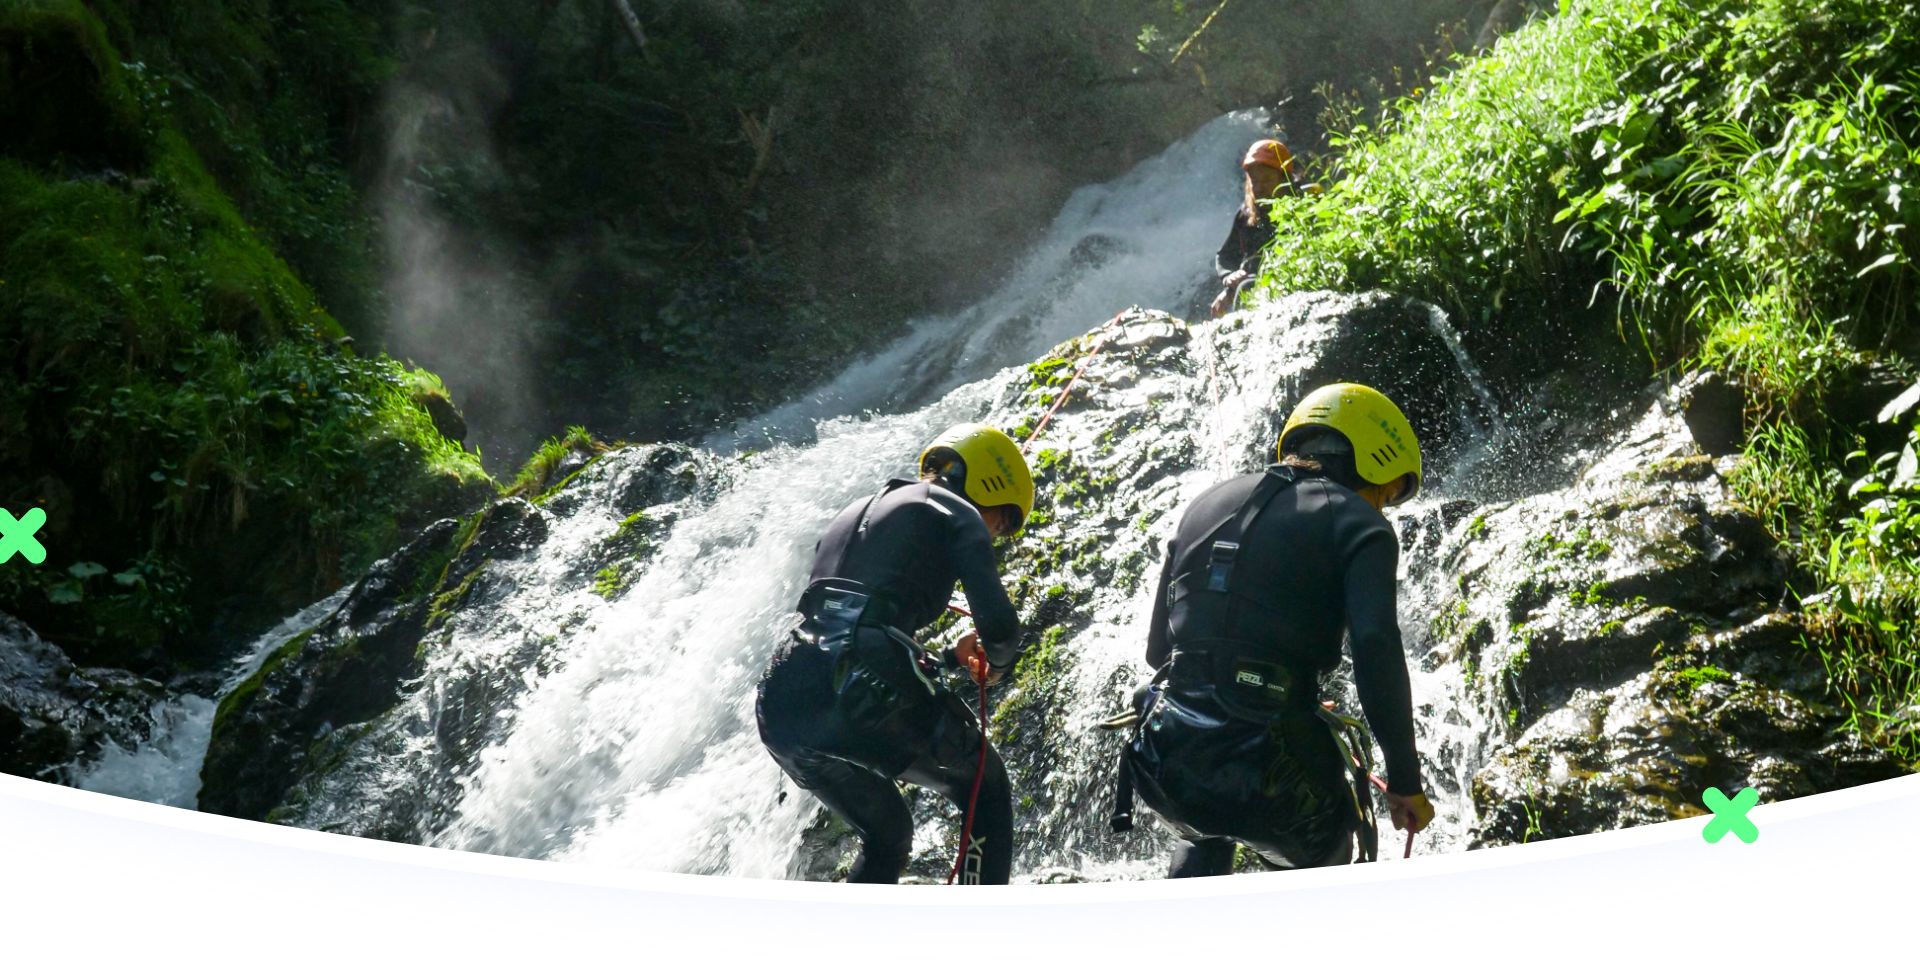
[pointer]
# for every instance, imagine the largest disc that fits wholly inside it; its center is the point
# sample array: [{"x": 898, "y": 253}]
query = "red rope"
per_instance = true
[
  {"x": 973, "y": 800},
  {"x": 1062, "y": 398},
  {"x": 980, "y": 770},
  {"x": 1381, "y": 784}
]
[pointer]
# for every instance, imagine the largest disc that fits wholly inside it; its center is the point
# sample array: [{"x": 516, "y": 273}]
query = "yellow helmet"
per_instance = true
[
  {"x": 1384, "y": 447},
  {"x": 995, "y": 472}
]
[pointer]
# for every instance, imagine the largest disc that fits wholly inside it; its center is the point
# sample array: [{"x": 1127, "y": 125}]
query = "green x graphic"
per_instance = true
[
  {"x": 1730, "y": 814},
  {"x": 16, "y": 536}
]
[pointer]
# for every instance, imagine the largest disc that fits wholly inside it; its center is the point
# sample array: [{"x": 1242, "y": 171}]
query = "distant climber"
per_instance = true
[
  {"x": 1269, "y": 175},
  {"x": 1264, "y": 574},
  {"x": 850, "y": 702}
]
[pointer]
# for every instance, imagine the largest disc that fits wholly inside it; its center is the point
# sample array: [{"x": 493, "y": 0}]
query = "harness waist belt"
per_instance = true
[
  {"x": 1245, "y": 672},
  {"x": 835, "y": 606}
]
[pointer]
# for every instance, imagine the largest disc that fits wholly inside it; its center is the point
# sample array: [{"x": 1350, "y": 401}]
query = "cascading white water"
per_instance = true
[
  {"x": 166, "y": 768},
  {"x": 1144, "y": 238},
  {"x": 631, "y": 740}
]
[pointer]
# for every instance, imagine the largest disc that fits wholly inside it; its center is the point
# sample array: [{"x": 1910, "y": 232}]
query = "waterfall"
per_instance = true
[
  {"x": 624, "y": 730},
  {"x": 1145, "y": 238}
]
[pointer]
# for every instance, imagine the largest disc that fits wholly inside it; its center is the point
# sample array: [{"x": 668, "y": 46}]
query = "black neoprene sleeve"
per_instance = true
[
  {"x": 1159, "y": 650},
  {"x": 994, "y": 618},
  {"x": 1379, "y": 664},
  {"x": 1233, "y": 252}
]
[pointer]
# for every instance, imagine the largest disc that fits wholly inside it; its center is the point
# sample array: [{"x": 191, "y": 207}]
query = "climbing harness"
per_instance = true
[
  {"x": 1235, "y": 671},
  {"x": 1351, "y": 735},
  {"x": 1348, "y": 733}
]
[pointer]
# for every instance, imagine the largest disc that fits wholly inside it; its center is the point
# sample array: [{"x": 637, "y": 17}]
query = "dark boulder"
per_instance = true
[
  {"x": 344, "y": 670},
  {"x": 55, "y": 716}
]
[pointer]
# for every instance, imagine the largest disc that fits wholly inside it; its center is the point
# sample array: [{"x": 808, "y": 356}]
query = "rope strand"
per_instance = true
[{"x": 980, "y": 769}]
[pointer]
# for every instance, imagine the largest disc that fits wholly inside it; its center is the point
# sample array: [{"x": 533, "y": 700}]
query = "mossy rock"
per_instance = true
[{"x": 347, "y": 669}]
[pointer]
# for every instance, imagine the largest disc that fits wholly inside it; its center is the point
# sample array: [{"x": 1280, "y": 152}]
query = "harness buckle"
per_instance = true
[
  {"x": 832, "y": 611},
  {"x": 1220, "y": 565}
]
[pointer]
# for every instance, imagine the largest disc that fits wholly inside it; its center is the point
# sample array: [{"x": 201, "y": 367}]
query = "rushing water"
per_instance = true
[
  {"x": 166, "y": 768},
  {"x": 641, "y": 750},
  {"x": 626, "y": 736},
  {"x": 1146, "y": 238}
]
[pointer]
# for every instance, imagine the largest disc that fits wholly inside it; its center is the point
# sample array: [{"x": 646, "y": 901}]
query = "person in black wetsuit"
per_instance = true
[
  {"x": 1263, "y": 576},
  {"x": 850, "y": 702},
  {"x": 1269, "y": 174}
]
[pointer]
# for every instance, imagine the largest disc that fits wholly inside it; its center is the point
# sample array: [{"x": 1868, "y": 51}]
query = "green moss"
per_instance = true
[
  {"x": 609, "y": 582},
  {"x": 181, "y": 400},
  {"x": 537, "y": 475},
  {"x": 179, "y": 385},
  {"x": 64, "y": 95},
  {"x": 1049, "y": 372},
  {"x": 1037, "y": 675},
  {"x": 1580, "y": 546},
  {"x": 1592, "y": 596},
  {"x": 1679, "y": 468},
  {"x": 1697, "y": 677},
  {"x": 447, "y": 602},
  {"x": 243, "y": 693}
]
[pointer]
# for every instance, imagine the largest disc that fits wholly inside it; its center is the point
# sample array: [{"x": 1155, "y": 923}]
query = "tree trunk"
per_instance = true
[{"x": 632, "y": 20}]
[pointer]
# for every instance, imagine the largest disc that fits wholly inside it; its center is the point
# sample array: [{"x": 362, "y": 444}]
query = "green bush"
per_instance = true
[{"x": 1725, "y": 182}]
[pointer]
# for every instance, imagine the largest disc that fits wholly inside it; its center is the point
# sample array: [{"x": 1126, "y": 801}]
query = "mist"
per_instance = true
[{"x": 459, "y": 307}]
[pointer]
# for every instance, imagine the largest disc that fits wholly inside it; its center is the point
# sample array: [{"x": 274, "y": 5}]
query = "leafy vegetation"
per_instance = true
[
  {"x": 660, "y": 209},
  {"x": 542, "y": 471},
  {"x": 176, "y": 396},
  {"x": 1716, "y": 184}
]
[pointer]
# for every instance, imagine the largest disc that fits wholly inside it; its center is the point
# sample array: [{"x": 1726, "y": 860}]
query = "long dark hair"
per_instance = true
[
  {"x": 1256, "y": 207},
  {"x": 1334, "y": 467}
]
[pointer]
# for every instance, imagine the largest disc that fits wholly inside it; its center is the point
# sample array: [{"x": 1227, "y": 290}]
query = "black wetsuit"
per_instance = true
[
  {"x": 1241, "y": 251},
  {"x": 1233, "y": 745},
  {"x": 850, "y": 703}
]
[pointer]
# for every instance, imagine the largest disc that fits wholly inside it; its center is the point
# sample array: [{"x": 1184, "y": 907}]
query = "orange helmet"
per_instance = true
[{"x": 1271, "y": 153}]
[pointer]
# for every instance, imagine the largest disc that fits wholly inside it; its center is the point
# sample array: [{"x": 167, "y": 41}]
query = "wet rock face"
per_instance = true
[
  {"x": 306, "y": 739},
  {"x": 1597, "y": 623},
  {"x": 344, "y": 670},
  {"x": 54, "y": 716},
  {"x": 1163, "y": 410},
  {"x": 1626, "y": 641}
]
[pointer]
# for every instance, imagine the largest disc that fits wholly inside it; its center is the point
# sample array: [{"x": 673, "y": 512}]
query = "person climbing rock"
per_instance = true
[
  {"x": 850, "y": 702},
  {"x": 1262, "y": 578},
  {"x": 1269, "y": 174}
]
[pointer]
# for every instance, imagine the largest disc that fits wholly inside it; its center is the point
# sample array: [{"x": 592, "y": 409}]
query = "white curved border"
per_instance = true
[{"x": 90, "y": 877}]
